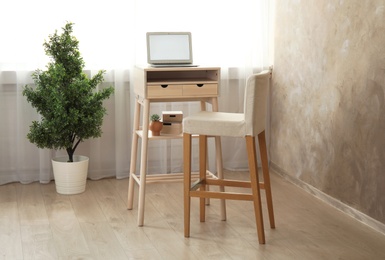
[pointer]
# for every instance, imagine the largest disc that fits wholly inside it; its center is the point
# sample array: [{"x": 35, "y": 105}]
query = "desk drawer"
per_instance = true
[
  {"x": 154, "y": 91},
  {"x": 200, "y": 90}
]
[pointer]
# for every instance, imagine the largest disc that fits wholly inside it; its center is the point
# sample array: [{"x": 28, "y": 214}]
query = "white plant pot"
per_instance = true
[{"x": 70, "y": 178}]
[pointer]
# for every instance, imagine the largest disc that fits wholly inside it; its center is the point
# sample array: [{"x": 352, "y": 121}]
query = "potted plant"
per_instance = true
[
  {"x": 71, "y": 109},
  {"x": 155, "y": 124}
]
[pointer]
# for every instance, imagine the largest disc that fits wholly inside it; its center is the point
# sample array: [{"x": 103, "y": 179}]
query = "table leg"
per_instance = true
[
  {"x": 143, "y": 162},
  {"x": 134, "y": 150},
  {"x": 207, "y": 200},
  {"x": 218, "y": 157}
]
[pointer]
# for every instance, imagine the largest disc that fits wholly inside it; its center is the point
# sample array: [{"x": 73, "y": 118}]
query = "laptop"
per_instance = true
[{"x": 169, "y": 49}]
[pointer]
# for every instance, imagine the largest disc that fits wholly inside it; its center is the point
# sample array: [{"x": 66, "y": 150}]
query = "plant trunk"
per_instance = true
[{"x": 70, "y": 153}]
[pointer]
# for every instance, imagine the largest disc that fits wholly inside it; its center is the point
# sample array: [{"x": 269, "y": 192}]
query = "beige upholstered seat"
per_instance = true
[{"x": 249, "y": 125}]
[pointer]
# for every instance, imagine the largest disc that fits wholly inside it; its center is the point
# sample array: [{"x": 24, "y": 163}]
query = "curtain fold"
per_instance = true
[{"x": 235, "y": 36}]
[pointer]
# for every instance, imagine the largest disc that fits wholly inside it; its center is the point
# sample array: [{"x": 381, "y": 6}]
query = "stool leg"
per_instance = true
[
  {"x": 187, "y": 181},
  {"x": 202, "y": 174},
  {"x": 218, "y": 154},
  {"x": 253, "y": 168},
  {"x": 266, "y": 177}
]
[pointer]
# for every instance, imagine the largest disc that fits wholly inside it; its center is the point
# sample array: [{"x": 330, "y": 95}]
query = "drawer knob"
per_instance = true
[
  {"x": 164, "y": 86},
  {"x": 200, "y": 85}
]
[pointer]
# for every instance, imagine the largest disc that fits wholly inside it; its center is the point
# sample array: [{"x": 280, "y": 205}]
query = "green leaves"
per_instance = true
[
  {"x": 71, "y": 108},
  {"x": 154, "y": 117}
]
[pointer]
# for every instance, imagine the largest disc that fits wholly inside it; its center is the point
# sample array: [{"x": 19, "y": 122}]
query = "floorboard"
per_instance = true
[{"x": 38, "y": 223}]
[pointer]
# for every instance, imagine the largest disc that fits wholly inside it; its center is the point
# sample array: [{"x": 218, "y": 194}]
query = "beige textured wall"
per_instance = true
[{"x": 328, "y": 102}]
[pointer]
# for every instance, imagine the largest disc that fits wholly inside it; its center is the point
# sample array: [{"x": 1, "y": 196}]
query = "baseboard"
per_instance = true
[{"x": 361, "y": 217}]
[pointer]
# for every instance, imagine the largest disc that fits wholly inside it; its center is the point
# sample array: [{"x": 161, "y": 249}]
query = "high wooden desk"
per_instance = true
[{"x": 167, "y": 84}]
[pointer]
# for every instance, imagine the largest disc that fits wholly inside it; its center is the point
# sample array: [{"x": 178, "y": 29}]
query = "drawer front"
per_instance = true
[
  {"x": 154, "y": 91},
  {"x": 197, "y": 90}
]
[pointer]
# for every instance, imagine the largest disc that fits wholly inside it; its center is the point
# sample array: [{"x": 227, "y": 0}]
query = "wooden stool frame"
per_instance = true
[{"x": 198, "y": 188}]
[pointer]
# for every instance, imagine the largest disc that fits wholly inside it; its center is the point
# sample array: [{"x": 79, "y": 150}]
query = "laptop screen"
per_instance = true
[{"x": 169, "y": 48}]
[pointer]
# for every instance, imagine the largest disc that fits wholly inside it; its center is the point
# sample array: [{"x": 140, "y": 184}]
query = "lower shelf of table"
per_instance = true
[
  {"x": 162, "y": 136},
  {"x": 170, "y": 177}
]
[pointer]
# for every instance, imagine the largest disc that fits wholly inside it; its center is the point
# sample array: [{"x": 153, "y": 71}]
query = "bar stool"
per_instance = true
[{"x": 250, "y": 124}]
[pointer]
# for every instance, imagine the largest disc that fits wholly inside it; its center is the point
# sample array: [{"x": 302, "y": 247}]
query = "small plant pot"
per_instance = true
[
  {"x": 70, "y": 177},
  {"x": 156, "y": 127}
]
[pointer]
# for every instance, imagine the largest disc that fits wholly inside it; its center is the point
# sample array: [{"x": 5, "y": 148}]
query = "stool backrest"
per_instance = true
[{"x": 255, "y": 102}]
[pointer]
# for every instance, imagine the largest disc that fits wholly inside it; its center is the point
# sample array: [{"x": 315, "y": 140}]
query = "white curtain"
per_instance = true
[{"x": 234, "y": 35}]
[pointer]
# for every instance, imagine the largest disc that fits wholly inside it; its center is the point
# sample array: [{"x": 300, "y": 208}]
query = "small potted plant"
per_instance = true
[
  {"x": 71, "y": 109},
  {"x": 155, "y": 124}
]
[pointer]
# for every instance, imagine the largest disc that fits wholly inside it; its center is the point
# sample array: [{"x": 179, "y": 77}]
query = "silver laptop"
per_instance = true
[{"x": 166, "y": 49}]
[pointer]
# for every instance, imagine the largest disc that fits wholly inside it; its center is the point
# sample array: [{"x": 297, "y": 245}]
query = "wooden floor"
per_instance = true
[{"x": 38, "y": 223}]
